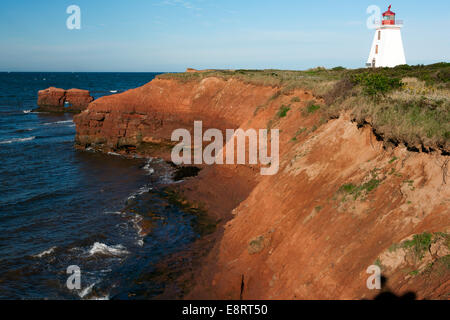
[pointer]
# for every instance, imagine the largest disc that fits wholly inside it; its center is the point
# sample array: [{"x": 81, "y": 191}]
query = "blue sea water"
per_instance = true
[{"x": 61, "y": 207}]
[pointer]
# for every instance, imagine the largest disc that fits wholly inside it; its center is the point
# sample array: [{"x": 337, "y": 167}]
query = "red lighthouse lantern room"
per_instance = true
[{"x": 389, "y": 17}]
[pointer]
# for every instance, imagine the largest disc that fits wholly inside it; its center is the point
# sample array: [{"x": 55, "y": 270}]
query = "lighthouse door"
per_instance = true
[{"x": 373, "y": 63}]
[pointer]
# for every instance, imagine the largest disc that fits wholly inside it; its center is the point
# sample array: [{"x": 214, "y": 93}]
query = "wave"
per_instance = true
[
  {"x": 101, "y": 248},
  {"x": 137, "y": 225},
  {"x": 17, "y": 140},
  {"x": 141, "y": 191},
  {"x": 27, "y": 111},
  {"x": 148, "y": 167},
  {"x": 45, "y": 253},
  {"x": 58, "y": 122},
  {"x": 86, "y": 290},
  {"x": 114, "y": 154},
  {"x": 113, "y": 91}
]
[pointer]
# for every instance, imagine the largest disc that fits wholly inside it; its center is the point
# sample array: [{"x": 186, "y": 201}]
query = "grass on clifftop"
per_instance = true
[{"x": 405, "y": 104}]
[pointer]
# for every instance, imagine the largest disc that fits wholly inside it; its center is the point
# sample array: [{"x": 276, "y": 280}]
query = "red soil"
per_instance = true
[{"x": 293, "y": 235}]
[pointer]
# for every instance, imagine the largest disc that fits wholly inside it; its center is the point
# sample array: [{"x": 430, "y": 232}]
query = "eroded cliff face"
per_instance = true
[
  {"x": 147, "y": 115},
  {"x": 340, "y": 202}
]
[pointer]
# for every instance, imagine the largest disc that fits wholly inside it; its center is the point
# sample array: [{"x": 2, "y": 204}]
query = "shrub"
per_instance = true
[
  {"x": 375, "y": 85},
  {"x": 283, "y": 111},
  {"x": 420, "y": 243},
  {"x": 312, "y": 108},
  {"x": 340, "y": 90},
  {"x": 358, "y": 191}
]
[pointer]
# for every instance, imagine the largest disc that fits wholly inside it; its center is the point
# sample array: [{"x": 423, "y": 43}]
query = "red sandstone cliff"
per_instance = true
[
  {"x": 339, "y": 203},
  {"x": 54, "y": 99}
]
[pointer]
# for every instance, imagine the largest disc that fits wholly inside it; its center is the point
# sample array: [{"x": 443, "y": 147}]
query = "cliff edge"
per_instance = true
[{"x": 343, "y": 200}]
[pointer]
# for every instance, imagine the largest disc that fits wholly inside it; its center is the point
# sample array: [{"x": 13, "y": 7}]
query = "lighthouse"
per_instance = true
[{"x": 387, "y": 46}]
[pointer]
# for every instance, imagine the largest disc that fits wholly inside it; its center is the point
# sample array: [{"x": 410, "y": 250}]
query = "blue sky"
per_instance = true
[{"x": 171, "y": 35}]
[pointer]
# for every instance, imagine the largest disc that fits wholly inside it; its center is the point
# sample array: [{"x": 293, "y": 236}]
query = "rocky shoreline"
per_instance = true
[{"x": 340, "y": 201}]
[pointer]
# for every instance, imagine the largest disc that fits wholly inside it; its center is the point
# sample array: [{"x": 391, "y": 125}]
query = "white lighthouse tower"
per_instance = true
[{"x": 387, "y": 46}]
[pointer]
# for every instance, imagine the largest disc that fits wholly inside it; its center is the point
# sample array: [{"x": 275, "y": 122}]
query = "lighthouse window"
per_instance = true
[
  {"x": 376, "y": 49},
  {"x": 379, "y": 35}
]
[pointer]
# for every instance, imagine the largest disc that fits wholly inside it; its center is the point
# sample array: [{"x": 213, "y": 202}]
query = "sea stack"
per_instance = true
[{"x": 60, "y": 100}]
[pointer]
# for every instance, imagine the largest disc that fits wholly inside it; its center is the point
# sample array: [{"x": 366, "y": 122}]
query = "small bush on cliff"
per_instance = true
[
  {"x": 340, "y": 90},
  {"x": 376, "y": 85},
  {"x": 283, "y": 111},
  {"x": 312, "y": 108},
  {"x": 359, "y": 191},
  {"x": 420, "y": 243}
]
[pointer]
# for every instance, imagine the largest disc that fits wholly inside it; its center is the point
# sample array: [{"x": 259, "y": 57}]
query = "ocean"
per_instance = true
[{"x": 60, "y": 207}]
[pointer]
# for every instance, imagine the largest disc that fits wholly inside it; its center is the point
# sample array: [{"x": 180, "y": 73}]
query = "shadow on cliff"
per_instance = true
[{"x": 388, "y": 295}]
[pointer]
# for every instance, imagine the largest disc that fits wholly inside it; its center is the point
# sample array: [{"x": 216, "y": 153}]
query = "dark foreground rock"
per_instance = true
[{"x": 60, "y": 100}]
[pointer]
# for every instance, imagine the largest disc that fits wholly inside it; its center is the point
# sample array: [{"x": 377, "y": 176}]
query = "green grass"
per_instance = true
[
  {"x": 299, "y": 132},
  {"x": 312, "y": 108},
  {"x": 283, "y": 111},
  {"x": 376, "y": 84},
  {"x": 421, "y": 243},
  {"x": 446, "y": 261},
  {"x": 432, "y": 74},
  {"x": 414, "y": 273},
  {"x": 378, "y": 263},
  {"x": 393, "y": 160},
  {"x": 397, "y": 113},
  {"x": 348, "y": 188},
  {"x": 359, "y": 191}
]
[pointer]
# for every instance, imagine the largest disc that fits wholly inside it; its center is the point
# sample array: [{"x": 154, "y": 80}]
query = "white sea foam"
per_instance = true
[
  {"x": 102, "y": 248},
  {"x": 141, "y": 191},
  {"x": 113, "y": 91},
  {"x": 17, "y": 140},
  {"x": 148, "y": 167},
  {"x": 136, "y": 220},
  {"x": 27, "y": 111},
  {"x": 136, "y": 223},
  {"x": 58, "y": 122},
  {"x": 45, "y": 253},
  {"x": 101, "y": 298},
  {"x": 114, "y": 212},
  {"x": 114, "y": 154},
  {"x": 86, "y": 290}
]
